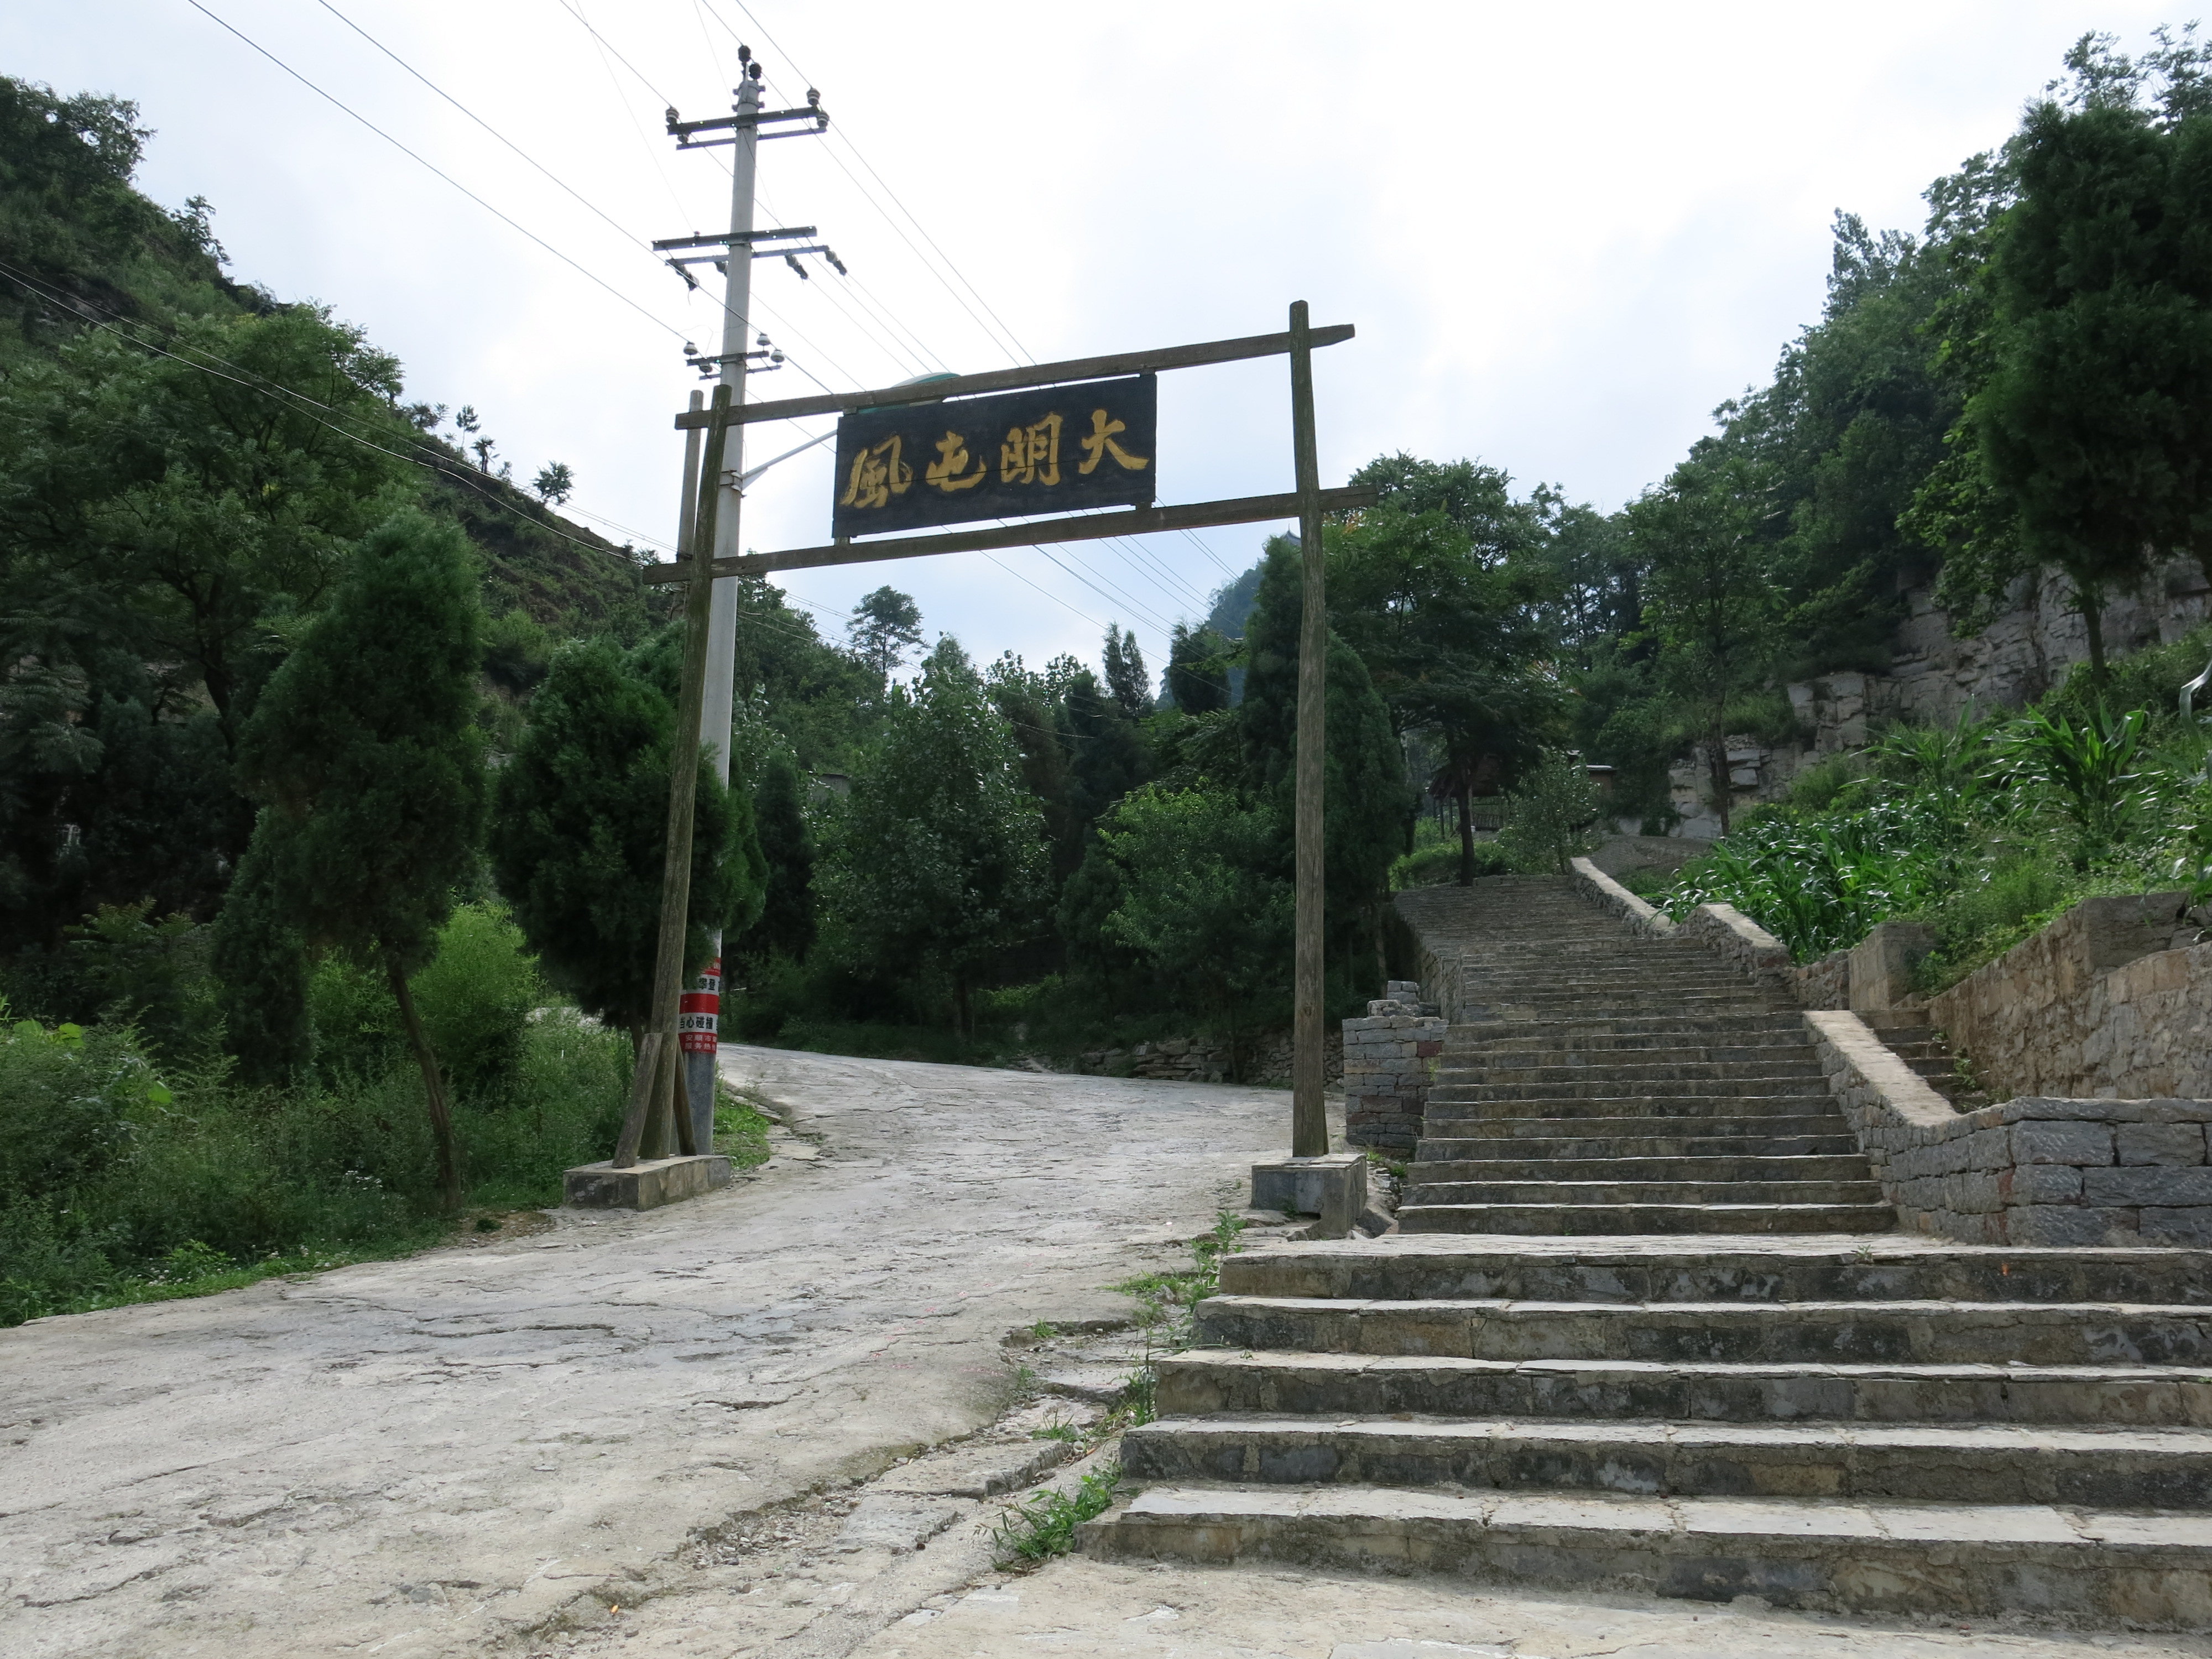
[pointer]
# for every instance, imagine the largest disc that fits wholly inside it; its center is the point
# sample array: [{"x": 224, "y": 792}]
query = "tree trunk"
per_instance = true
[
  {"x": 1382, "y": 952},
  {"x": 433, "y": 1087},
  {"x": 1465, "y": 797},
  {"x": 1719, "y": 764},
  {"x": 2093, "y": 615}
]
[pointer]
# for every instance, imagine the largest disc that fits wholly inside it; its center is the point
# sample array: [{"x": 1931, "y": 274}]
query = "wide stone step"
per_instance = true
[
  {"x": 1633, "y": 1142},
  {"x": 1786, "y": 1048},
  {"x": 1428, "y": 1174},
  {"x": 1922, "y": 1332},
  {"x": 1902, "y": 1268},
  {"x": 1678, "y": 1029},
  {"x": 1423, "y": 1193},
  {"x": 1627, "y": 1083},
  {"x": 1445, "y": 1117},
  {"x": 1614, "y": 1220},
  {"x": 2147, "y": 1570},
  {"x": 1205, "y": 1382},
  {"x": 1791, "y": 1066},
  {"x": 1955, "y": 1463}
]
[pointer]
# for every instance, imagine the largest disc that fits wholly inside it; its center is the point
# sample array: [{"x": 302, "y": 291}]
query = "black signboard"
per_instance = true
[{"x": 1055, "y": 450}]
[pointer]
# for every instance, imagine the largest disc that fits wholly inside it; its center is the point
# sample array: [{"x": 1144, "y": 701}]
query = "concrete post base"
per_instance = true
[
  {"x": 646, "y": 1185},
  {"x": 1333, "y": 1186}
]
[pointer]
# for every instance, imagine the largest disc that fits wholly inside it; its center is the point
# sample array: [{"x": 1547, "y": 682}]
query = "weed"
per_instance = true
[
  {"x": 1064, "y": 1431},
  {"x": 1045, "y": 1526},
  {"x": 1025, "y": 1380},
  {"x": 1044, "y": 1330}
]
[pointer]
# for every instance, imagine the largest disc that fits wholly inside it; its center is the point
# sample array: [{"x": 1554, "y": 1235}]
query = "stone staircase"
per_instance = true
[
  {"x": 1641, "y": 1332},
  {"x": 1597, "y": 1082}
]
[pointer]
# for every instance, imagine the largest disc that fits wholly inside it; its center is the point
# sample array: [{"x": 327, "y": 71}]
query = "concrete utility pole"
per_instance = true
[{"x": 702, "y": 1011}]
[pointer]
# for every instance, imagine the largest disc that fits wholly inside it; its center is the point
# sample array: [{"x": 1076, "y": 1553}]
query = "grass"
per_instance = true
[
  {"x": 741, "y": 1127},
  {"x": 1044, "y": 1525}
]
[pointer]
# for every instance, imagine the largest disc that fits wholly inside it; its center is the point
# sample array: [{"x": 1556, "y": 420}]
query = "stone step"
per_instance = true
[
  {"x": 1440, "y": 1115},
  {"x": 1425, "y": 1193},
  {"x": 1609, "y": 1082},
  {"x": 1921, "y": 1332},
  {"x": 1205, "y": 1382},
  {"x": 1675, "y": 1028},
  {"x": 1619, "y": 1219},
  {"x": 1636, "y": 1270},
  {"x": 1952, "y": 1560},
  {"x": 1435, "y": 1172},
  {"x": 1953, "y": 1463},
  {"x": 1656, "y": 1048},
  {"x": 1640, "y": 1072},
  {"x": 1633, "y": 1142}
]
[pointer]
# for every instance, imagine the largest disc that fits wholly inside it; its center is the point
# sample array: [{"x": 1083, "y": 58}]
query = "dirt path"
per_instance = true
[{"x": 439, "y": 1456}]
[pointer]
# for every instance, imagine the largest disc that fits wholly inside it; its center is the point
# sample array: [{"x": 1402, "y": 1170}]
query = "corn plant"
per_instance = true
[{"x": 2092, "y": 772}]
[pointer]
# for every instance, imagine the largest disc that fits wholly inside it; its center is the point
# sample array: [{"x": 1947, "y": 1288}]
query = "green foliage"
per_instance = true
[
  {"x": 1201, "y": 904},
  {"x": 579, "y": 837},
  {"x": 939, "y": 858},
  {"x": 2090, "y": 769},
  {"x": 260, "y": 963},
  {"x": 885, "y": 625},
  {"x": 787, "y": 923},
  {"x": 1551, "y": 817},
  {"x": 1044, "y": 1525},
  {"x": 1198, "y": 669},
  {"x": 1821, "y": 884}
]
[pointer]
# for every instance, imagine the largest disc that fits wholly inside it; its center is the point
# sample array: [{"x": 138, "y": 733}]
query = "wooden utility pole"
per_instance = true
[
  {"x": 1309, "y": 1116},
  {"x": 653, "y": 1107}
]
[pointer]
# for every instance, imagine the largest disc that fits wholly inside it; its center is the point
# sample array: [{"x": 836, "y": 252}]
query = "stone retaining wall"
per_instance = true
[
  {"x": 2038, "y": 1170},
  {"x": 1196, "y": 1060},
  {"x": 2113, "y": 1001},
  {"x": 1389, "y": 1060}
]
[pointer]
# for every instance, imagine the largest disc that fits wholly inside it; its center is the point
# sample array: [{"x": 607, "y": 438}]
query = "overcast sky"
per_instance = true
[{"x": 1564, "y": 232}]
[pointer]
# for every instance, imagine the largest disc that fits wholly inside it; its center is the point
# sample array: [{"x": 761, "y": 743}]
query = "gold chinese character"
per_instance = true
[
  {"x": 877, "y": 475},
  {"x": 1101, "y": 444},
  {"x": 951, "y": 457},
  {"x": 1031, "y": 454}
]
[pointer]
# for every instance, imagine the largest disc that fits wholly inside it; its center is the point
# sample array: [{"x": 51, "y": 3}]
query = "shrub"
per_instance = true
[{"x": 1551, "y": 818}]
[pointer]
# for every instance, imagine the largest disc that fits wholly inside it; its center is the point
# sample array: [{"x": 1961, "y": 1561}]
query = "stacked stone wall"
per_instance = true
[
  {"x": 1390, "y": 1061},
  {"x": 1205, "y": 1059},
  {"x": 2113, "y": 1001},
  {"x": 2038, "y": 1170}
]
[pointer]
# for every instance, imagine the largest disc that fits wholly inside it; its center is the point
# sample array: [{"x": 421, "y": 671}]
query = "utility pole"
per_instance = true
[
  {"x": 701, "y": 1019},
  {"x": 700, "y": 1066},
  {"x": 1309, "y": 1114}
]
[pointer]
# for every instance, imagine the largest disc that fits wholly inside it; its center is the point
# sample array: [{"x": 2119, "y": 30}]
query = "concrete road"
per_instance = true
[{"x": 454, "y": 1452}]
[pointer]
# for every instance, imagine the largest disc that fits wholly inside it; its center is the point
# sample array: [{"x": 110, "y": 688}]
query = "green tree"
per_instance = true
[
  {"x": 364, "y": 750},
  {"x": 1126, "y": 682},
  {"x": 553, "y": 484},
  {"x": 1709, "y": 601},
  {"x": 886, "y": 624},
  {"x": 579, "y": 825},
  {"x": 1198, "y": 669},
  {"x": 939, "y": 860},
  {"x": 787, "y": 923},
  {"x": 1550, "y": 818},
  {"x": 1367, "y": 803},
  {"x": 1198, "y": 899}
]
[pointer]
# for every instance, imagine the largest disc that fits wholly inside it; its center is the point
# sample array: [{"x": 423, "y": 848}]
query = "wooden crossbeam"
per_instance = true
[
  {"x": 1009, "y": 379},
  {"x": 1136, "y": 521}
]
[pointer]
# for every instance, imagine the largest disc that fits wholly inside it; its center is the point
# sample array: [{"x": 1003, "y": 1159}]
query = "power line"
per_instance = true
[{"x": 448, "y": 177}]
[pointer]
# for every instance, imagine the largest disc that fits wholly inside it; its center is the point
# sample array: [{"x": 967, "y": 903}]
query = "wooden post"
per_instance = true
[
  {"x": 1309, "y": 1116},
  {"x": 651, "y": 1095}
]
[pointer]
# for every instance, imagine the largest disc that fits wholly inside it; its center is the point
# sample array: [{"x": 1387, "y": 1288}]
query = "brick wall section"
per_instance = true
[
  {"x": 2113, "y": 1001},
  {"x": 1389, "y": 1060},
  {"x": 2038, "y": 1170}
]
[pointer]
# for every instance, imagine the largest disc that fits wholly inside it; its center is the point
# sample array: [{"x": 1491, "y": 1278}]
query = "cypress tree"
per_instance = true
[
  {"x": 580, "y": 822},
  {"x": 365, "y": 750}
]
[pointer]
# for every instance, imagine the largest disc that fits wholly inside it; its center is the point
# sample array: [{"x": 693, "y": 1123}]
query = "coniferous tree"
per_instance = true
[
  {"x": 787, "y": 923},
  {"x": 580, "y": 825},
  {"x": 1126, "y": 680},
  {"x": 1198, "y": 669},
  {"x": 885, "y": 625},
  {"x": 364, "y": 749}
]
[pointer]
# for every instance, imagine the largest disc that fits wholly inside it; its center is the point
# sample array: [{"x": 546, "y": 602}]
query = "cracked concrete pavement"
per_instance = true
[{"x": 457, "y": 1452}]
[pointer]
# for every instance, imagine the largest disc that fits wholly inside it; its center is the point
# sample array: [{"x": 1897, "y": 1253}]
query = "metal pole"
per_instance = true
[
  {"x": 1309, "y": 1116},
  {"x": 702, "y": 1002}
]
